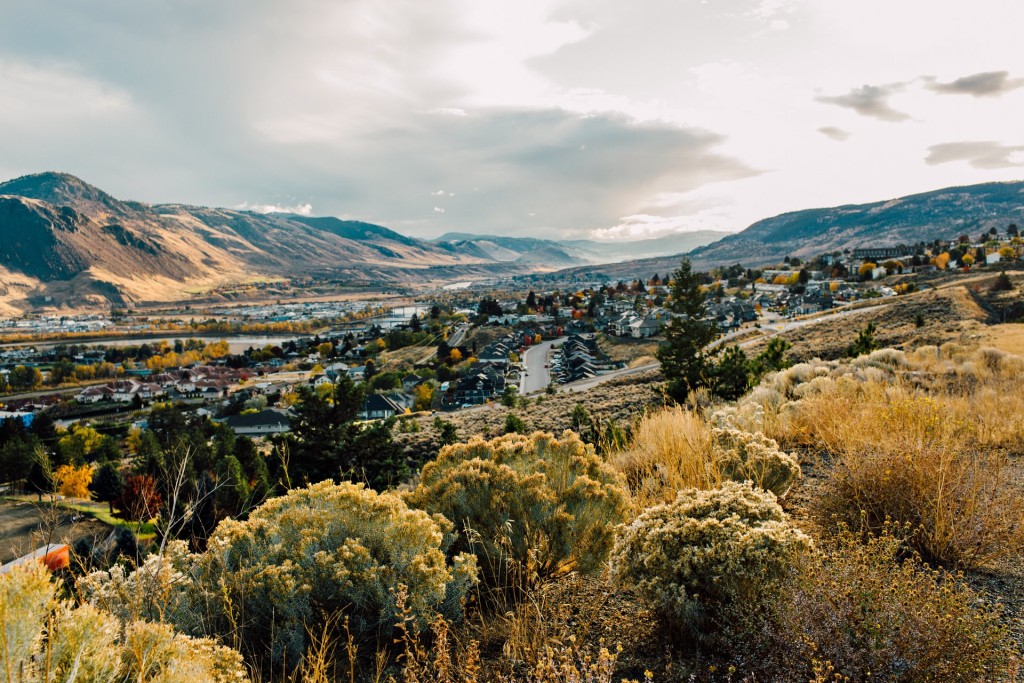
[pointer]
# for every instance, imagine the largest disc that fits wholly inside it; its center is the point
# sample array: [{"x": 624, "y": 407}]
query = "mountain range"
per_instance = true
[
  {"x": 573, "y": 252},
  {"x": 939, "y": 214},
  {"x": 67, "y": 243}
]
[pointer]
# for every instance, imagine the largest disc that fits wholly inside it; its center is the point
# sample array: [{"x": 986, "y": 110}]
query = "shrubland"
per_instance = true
[{"x": 815, "y": 529}]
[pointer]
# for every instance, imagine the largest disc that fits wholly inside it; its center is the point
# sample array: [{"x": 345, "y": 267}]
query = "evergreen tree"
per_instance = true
[
  {"x": 865, "y": 342},
  {"x": 108, "y": 485},
  {"x": 682, "y": 359},
  {"x": 40, "y": 474},
  {"x": 772, "y": 359},
  {"x": 732, "y": 374},
  {"x": 233, "y": 491}
]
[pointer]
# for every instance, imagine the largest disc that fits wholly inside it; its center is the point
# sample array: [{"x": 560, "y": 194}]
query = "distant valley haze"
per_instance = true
[{"x": 552, "y": 119}]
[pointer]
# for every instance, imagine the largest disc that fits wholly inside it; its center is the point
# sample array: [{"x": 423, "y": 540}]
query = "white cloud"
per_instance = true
[
  {"x": 438, "y": 209},
  {"x": 300, "y": 209},
  {"x": 584, "y": 110}
]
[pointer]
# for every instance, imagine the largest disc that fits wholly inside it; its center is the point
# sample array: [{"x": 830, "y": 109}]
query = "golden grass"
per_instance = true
[
  {"x": 671, "y": 450},
  {"x": 924, "y": 439},
  {"x": 676, "y": 449},
  {"x": 1008, "y": 337}
]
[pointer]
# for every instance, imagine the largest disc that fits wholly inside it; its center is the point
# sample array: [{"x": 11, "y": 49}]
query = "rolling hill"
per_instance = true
[
  {"x": 69, "y": 243},
  {"x": 940, "y": 214},
  {"x": 566, "y": 253}
]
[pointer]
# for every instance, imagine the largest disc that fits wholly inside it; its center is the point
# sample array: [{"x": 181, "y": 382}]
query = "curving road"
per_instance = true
[{"x": 537, "y": 376}]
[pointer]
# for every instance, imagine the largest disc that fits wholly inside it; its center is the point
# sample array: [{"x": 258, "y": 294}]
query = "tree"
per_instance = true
[
  {"x": 682, "y": 358},
  {"x": 772, "y": 359},
  {"x": 580, "y": 418},
  {"x": 732, "y": 374},
  {"x": 414, "y": 323},
  {"x": 40, "y": 474},
  {"x": 140, "y": 501},
  {"x": 454, "y": 356},
  {"x": 233, "y": 491},
  {"x": 24, "y": 378},
  {"x": 1002, "y": 283},
  {"x": 447, "y": 434},
  {"x": 514, "y": 424},
  {"x": 865, "y": 342},
  {"x": 108, "y": 485},
  {"x": 73, "y": 482},
  {"x": 531, "y": 300}
]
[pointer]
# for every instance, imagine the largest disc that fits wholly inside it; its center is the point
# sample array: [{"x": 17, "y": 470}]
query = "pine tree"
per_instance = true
[
  {"x": 108, "y": 485},
  {"x": 732, "y": 375},
  {"x": 682, "y": 359}
]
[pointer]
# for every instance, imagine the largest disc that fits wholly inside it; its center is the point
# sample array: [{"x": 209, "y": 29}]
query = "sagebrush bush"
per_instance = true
[
  {"x": 313, "y": 555},
  {"x": 323, "y": 550},
  {"x": 47, "y": 639},
  {"x": 528, "y": 507},
  {"x": 706, "y": 551},
  {"x": 872, "y": 616},
  {"x": 742, "y": 456}
]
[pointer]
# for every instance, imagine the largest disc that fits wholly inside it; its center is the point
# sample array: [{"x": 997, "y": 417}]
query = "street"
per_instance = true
[{"x": 537, "y": 376}]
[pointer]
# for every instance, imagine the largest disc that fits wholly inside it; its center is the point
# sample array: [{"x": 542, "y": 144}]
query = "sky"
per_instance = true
[{"x": 546, "y": 118}]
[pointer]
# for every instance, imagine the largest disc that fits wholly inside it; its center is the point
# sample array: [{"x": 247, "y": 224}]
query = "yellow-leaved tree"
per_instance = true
[{"x": 73, "y": 482}]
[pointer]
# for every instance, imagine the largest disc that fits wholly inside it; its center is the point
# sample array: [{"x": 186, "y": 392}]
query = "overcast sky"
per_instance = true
[{"x": 554, "y": 118}]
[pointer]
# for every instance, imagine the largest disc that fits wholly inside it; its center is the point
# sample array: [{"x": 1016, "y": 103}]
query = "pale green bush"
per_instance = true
[
  {"x": 300, "y": 561},
  {"x": 529, "y": 507},
  {"x": 155, "y": 591},
  {"x": 321, "y": 551},
  {"x": 742, "y": 456},
  {"x": 705, "y": 551},
  {"x": 88, "y": 645}
]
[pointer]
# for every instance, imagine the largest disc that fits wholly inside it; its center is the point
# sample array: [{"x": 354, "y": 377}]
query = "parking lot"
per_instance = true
[{"x": 27, "y": 526}]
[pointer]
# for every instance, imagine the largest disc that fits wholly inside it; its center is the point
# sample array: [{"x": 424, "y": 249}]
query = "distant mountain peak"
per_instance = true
[{"x": 59, "y": 189}]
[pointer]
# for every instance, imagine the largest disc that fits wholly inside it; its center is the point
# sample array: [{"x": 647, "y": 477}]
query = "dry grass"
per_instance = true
[
  {"x": 951, "y": 314},
  {"x": 924, "y": 439},
  {"x": 676, "y": 449},
  {"x": 671, "y": 450},
  {"x": 1008, "y": 337},
  {"x": 628, "y": 350}
]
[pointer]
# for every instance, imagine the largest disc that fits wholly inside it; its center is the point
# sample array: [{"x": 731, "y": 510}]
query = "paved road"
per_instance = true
[
  {"x": 768, "y": 331},
  {"x": 457, "y": 335},
  {"x": 537, "y": 376}
]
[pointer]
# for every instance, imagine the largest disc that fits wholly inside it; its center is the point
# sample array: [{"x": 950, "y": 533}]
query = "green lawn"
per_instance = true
[{"x": 98, "y": 511}]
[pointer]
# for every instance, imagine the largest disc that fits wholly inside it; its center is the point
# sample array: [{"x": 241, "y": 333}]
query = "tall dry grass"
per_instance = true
[
  {"x": 926, "y": 439},
  {"x": 677, "y": 448},
  {"x": 671, "y": 450}
]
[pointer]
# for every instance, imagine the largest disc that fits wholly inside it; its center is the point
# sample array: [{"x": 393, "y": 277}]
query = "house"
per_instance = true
[
  {"x": 357, "y": 373},
  {"x": 95, "y": 394},
  {"x": 876, "y": 253},
  {"x": 410, "y": 382},
  {"x": 121, "y": 391},
  {"x": 993, "y": 257},
  {"x": 380, "y": 407},
  {"x": 269, "y": 421}
]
